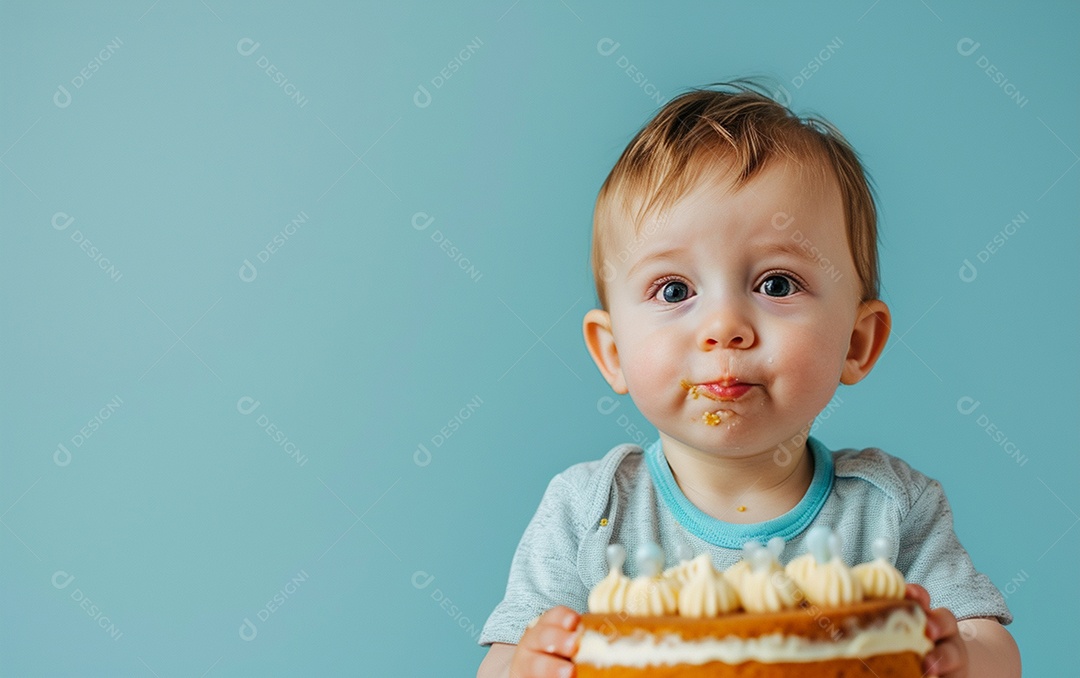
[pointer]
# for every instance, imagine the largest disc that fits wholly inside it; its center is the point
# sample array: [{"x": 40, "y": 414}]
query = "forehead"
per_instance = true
[{"x": 782, "y": 197}]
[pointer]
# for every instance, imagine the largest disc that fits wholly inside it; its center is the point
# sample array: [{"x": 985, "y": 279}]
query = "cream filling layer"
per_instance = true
[{"x": 902, "y": 631}]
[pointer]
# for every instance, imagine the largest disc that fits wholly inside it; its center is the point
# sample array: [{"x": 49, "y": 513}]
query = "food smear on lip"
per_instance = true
[
  {"x": 691, "y": 389},
  {"x": 721, "y": 392}
]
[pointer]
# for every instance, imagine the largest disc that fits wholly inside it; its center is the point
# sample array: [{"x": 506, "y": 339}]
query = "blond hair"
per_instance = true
[{"x": 704, "y": 130}]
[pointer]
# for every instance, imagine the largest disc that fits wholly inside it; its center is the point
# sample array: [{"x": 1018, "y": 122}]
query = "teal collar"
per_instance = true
[{"x": 734, "y": 535}]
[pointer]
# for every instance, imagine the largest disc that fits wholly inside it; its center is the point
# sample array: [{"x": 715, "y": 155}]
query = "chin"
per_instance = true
[{"x": 734, "y": 440}]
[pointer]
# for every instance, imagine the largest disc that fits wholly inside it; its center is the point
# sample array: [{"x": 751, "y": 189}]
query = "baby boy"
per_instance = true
[{"x": 735, "y": 259}]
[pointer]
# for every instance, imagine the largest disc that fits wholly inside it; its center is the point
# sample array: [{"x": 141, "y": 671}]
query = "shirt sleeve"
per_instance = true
[
  {"x": 930, "y": 555},
  {"x": 543, "y": 573}
]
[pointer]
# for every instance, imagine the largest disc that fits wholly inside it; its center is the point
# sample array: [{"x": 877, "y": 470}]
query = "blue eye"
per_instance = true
[
  {"x": 674, "y": 291},
  {"x": 778, "y": 286}
]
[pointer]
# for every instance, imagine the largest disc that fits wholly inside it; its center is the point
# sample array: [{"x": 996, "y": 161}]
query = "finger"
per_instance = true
[
  {"x": 551, "y": 640},
  {"x": 528, "y": 663},
  {"x": 918, "y": 594},
  {"x": 561, "y": 616},
  {"x": 941, "y": 623},
  {"x": 943, "y": 659}
]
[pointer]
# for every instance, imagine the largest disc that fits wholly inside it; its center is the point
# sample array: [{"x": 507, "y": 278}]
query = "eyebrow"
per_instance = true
[
  {"x": 788, "y": 247},
  {"x": 671, "y": 253}
]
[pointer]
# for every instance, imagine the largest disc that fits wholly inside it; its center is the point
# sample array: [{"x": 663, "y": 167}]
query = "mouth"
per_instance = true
[{"x": 726, "y": 389}]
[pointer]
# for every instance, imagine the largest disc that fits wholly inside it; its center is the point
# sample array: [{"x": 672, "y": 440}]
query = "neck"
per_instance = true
[{"x": 749, "y": 488}]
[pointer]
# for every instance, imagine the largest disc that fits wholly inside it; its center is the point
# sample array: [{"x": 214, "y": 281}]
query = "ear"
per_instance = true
[
  {"x": 868, "y": 339},
  {"x": 600, "y": 341}
]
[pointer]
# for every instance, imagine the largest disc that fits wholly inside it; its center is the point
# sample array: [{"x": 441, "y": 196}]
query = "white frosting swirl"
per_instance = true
[
  {"x": 650, "y": 596},
  {"x": 831, "y": 584},
  {"x": 879, "y": 579},
  {"x": 768, "y": 590},
  {"x": 679, "y": 574},
  {"x": 706, "y": 593},
  {"x": 693, "y": 588},
  {"x": 610, "y": 594},
  {"x": 736, "y": 572},
  {"x": 800, "y": 568}
]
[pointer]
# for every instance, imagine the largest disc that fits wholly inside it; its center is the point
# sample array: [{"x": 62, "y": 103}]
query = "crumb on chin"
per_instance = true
[{"x": 711, "y": 418}]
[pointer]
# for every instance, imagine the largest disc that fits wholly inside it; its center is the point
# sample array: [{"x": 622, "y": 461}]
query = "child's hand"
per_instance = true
[
  {"x": 949, "y": 658},
  {"x": 546, "y": 647}
]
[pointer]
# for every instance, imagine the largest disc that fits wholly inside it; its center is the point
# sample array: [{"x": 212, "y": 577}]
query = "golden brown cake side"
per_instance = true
[
  {"x": 882, "y": 638},
  {"x": 899, "y": 665}
]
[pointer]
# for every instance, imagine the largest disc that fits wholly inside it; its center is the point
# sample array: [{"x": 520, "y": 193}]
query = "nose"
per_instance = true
[{"x": 726, "y": 326}]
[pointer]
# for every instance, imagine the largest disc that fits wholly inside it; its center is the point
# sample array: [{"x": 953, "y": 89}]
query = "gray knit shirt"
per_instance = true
[{"x": 862, "y": 494}]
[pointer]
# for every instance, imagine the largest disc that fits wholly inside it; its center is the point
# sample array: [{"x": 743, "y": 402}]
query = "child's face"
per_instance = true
[{"x": 737, "y": 337}]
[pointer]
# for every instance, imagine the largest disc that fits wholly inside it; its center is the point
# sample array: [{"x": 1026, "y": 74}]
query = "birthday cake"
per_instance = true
[{"x": 815, "y": 617}]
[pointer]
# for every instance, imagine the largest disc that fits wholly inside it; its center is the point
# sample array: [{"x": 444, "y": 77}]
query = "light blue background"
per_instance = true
[{"x": 179, "y": 158}]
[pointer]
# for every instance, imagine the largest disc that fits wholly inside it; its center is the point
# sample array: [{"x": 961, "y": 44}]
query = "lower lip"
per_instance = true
[{"x": 733, "y": 392}]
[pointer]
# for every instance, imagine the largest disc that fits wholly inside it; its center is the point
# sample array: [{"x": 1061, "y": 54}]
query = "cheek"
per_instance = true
[
  {"x": 642, "y": 370},
  {"x": 651, "y": 365},
  {"x": 816, "y": 354}
]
